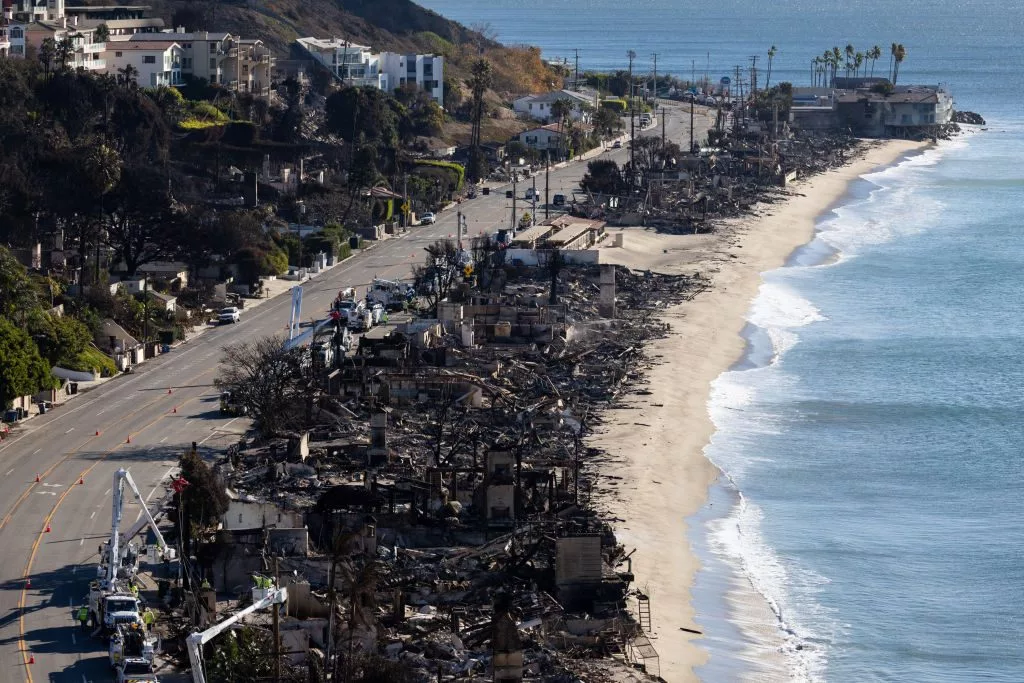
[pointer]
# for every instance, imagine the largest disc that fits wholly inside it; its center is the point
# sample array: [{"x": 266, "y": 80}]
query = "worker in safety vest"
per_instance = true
[
  {"x": 134, "y": 589},
  {"x": 83, "y": 617},
  {"x": 205, "y": 585},
  {"x": 148, "y": 618}
]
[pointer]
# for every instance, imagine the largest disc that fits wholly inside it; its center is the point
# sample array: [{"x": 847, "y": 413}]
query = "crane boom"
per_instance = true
[
  {"x": 197, "y": 640},
  {"x": 121, "y": 477},
  {"x": 161, "y": 543}
]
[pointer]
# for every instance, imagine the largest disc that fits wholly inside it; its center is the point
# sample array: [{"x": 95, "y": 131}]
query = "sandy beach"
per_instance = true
[{"x": 655, "y": 442}]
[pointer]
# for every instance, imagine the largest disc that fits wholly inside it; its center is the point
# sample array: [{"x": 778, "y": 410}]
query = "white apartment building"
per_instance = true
[
  {"x": 221, "y": 59},
  {"x": 358, "y": 65},
  {"x": 426, "y": 72},
  {"x": 158, "y": 63},
  {"x": 86, "y": 53}
]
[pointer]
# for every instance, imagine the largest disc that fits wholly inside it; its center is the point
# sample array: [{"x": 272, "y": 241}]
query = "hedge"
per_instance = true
[{"x": 458, "y": 169}]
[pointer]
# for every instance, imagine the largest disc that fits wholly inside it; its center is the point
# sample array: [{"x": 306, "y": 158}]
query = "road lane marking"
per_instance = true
[
  {"x": 39, "y": 538},
  {"x": 163, "y": 439},
  {"x": 70, "y": 430},
  {"x": 36, "y": 451},
  {"x": 9, "y": 472},
  {"x": 93, "y": 514}
]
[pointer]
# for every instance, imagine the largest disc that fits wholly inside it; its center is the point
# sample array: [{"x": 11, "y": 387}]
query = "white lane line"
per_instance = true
[
  {"x": 163, "y": 439},
  {"x": 92, "y": 515},
  {"x": 46, "y": 493},
  {"x": 70, "y": 430},
  {"x": 36, "y": 451},
  {"x": 107, "y": 492},
  {"x": 81, "y": 542},
  {"x": 9, "y": 472}
]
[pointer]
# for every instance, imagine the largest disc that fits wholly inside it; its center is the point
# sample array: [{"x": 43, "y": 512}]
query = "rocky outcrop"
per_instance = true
[{"x": 968, "y": 117}]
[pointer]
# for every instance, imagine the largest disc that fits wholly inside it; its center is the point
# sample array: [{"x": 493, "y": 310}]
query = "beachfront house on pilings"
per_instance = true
[{"x": 911, "y": 111}]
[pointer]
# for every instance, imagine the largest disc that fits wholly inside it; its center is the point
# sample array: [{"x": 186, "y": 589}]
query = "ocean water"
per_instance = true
[{"x": 872, "y": 438}]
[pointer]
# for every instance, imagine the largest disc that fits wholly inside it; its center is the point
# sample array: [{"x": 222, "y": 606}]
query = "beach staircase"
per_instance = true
[{"x": 643, "y": 612}]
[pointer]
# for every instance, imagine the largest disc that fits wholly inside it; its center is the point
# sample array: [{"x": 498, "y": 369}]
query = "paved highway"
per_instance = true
[{"x": 51, "y": 528}]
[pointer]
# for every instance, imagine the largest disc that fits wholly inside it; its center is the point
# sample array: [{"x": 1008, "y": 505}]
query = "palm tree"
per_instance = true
[
  {"x": 892, "y": 54},
  {"x": 63, "y": 50},
  {"x": 47, "y": 50},
  {"x": 873, "y": 55},
  {"x": 899, "y": 56},
  {"x": 849, "y": 58},
  {"x": 837, "y": 56},
  {"x": 858, "y": 61},
  {"x": 560, "y": 110},
  {"x": 771, "y": 57},
  {"x": 128, "y": 76}
]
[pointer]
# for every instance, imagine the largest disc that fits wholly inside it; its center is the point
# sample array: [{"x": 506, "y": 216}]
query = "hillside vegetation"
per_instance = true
[{"x": 394, "y": 25}]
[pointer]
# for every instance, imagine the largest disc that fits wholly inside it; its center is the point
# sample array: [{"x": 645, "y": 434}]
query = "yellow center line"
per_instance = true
[{"x": 39, "y": 537}]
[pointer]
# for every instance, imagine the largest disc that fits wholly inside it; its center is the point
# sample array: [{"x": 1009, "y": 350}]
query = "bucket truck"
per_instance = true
[
  {"x": 261, "y": 599},
  {"x": 111, "y": 600}
]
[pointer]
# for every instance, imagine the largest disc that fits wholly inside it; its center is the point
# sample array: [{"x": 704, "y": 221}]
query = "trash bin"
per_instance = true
[
  {"x": 73, "y": 387},
  {"x": 42, "y": 408},
  {"x": 165, "y": 348},
  {"x": 353, "y": 242}
]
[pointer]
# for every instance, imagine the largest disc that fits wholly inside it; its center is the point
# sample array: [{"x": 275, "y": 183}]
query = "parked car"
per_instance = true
[
  {"x": 428, "y": 218},
  {"x": 532, "y": 193},
  {"x": 617, "y": 144},
  {"x": 231, "y": 314},
  {"x": 558, "y": 200}
]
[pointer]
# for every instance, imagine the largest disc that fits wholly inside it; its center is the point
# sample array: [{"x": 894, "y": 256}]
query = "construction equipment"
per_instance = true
[
  {"x": 391, "y": 294},
  {"x": 131, "y": 644},
  {"x": 120, "y": 545},
  {"x": 261, "y": 599},
  {"x": 111, "y": 598},
  {"x": 136, "y": 672},
  {"x": 229, "y": 406}
]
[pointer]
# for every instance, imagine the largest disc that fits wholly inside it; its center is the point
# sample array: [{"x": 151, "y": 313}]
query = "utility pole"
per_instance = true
[
  {"x": 514, "y": 178},
  {"x": 737, "y": 110},
  {"x": 547, "y": 184},
  {"x": 693, "y": 72},
  {"x": 533, "y": 195},
  {"x": 663, "y": 116},
  {"x": 753, "y": 75},
  {"x": 145, "y": 314},
  {"x": 632, "y": 115},
  {"x": 277, "y": 627},
  {"x": 654, "y": 106},
  {"x": 691, "y": 126},
  {"x": 576, "y": 78}
]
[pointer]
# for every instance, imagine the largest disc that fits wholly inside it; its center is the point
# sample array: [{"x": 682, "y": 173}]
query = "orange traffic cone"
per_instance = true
[
  {"x": 31, "y": 658},
  {"x": 97, "y": 432},
  {"x": 37, "y": 478},
  {"x": 170, "y": 391},
  {"x": 28, "y": 582},
  {"x": 129, "y": 439},
  {"x": 175, "y": 409},
  {"x": 47, "y": 527},
  {"x": 81, "y": 480}
]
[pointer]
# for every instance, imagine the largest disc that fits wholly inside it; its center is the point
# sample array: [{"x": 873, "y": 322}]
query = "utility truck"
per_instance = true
[
  {"x": 391, "y": 294},
  {"x": 112, "y": 602}
]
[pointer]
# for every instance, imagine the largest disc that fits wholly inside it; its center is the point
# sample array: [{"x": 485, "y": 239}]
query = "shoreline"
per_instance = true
[{"x": 653, "y": 498}]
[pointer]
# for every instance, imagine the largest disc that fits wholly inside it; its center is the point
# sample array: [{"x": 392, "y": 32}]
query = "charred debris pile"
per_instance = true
[
  {"x": 743, "y": 164},
  {"x": 434, "y": 513}
]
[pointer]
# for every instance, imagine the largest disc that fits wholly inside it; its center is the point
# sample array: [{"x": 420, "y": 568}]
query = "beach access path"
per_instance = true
[{"x": 655, "y": 443}]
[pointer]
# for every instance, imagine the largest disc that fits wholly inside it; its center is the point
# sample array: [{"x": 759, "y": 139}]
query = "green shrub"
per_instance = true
[
  {"x": 92, "y": 360},
  {"x": 616, "y": 105}
]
